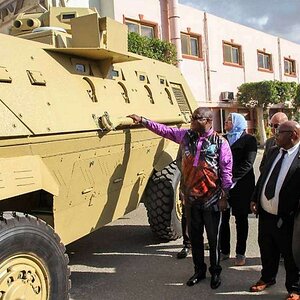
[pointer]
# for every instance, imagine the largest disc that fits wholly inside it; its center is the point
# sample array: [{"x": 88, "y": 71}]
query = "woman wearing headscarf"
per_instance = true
[{"x": 244, "y": 150}]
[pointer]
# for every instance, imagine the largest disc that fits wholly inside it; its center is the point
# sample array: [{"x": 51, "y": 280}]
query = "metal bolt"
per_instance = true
[
  {"x": 10, "y": 280},
  {"x": 37, "y": 289},
  {"x": 21, "y": 275}
]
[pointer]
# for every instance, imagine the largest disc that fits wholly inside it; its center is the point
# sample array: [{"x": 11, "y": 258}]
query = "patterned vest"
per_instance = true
[{"x": 201, "y": 183}]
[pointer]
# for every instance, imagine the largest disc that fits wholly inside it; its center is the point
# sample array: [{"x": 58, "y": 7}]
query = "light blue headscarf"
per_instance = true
[{"x": 239, "y": 126}]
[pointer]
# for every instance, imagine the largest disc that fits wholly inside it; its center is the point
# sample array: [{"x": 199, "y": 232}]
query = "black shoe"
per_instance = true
[
  {"x": 196, "y": 278},
  {"x": 183, "y": 253},
  {"x": 215, "y": 281}
]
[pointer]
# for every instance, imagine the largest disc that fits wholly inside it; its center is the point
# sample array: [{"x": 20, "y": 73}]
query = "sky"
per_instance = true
[{"x": 276, "y": 17}]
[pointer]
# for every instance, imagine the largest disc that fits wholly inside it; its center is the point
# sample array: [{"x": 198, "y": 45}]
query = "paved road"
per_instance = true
[{"x": 125, "y": 261}]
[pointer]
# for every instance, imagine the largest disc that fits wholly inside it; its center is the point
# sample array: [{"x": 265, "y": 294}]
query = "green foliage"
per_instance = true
[
  {"x": 297, "y": 97},
  {"x": 264, "y": 93},
  {"x": 152, "y": 48},
  {"x": 256, "y": 134},
  {"x": 268, "y": 131},
  {"x": 255, "y": 94},
  {"x": 286, "y": 92}
]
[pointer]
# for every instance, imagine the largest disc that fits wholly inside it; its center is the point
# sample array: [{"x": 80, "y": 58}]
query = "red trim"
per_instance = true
[
  {"x": 192, "y": 57},
  {"x": 290, "y": 75},
  {"x": 152, "y": 24},
  {"x": 199, "y": 39},
  {"x": 239, "y": 65},
  {"x": 265, "y": 70},
  {"x": 232, "y": 65},
  {"x": 293, "y": 61},
  {"x": 271, "y": 61}
]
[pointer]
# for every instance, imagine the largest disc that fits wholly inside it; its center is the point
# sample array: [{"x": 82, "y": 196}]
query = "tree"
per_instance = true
[
  {"x": 152, "y": 48},
  {"x": 261, "y": 95}
]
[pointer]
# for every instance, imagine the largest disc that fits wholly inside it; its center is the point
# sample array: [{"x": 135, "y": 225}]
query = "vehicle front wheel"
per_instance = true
[
  {"x": 33, "y": 263},
  {"x": 162, "y": 202}
]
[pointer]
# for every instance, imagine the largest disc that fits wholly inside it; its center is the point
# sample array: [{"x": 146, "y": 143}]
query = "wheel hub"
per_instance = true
[
  {"x": 23, "y": 277},
  {"x": 178, "y": 205}
]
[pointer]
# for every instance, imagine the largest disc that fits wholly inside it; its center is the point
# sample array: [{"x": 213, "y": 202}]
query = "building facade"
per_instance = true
[{"x": 215, "y": 55}]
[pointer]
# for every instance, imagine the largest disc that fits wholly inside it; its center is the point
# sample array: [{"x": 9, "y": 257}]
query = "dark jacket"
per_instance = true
[
  {"x": 289, "y": 194},
  {"x": 244, "y": 152},
  {"x": 296, "y": 239},
  {"x": 270, "y": 143}
]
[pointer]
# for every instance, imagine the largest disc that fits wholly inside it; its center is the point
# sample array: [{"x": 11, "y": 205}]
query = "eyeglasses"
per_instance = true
[
  {"x": 195, "y": 118},
  {"x": 275, "y": 126},
  {"x": 277, "y": 131}
]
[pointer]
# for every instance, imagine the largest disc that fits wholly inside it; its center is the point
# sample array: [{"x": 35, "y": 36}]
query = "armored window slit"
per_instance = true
[
  {"x": 149, "y": 94},
  {"x": 180, "y": 98}
]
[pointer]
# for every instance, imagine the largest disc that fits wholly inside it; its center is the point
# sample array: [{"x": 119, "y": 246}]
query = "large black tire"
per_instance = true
[
  {"x": 162, "y": 203},
  {"x": 33, "y": 263}
]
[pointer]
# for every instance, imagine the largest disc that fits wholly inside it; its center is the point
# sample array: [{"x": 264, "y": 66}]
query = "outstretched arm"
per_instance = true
[{"x": 172, "y": 133}]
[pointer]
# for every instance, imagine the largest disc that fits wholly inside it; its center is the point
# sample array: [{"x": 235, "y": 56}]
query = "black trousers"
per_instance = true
[
  {"x": 272, "y": 241},
  {"x": 184, "y": 227},
  {"x": 198, "y": 219},
  {"x": 242, "y": 227}
]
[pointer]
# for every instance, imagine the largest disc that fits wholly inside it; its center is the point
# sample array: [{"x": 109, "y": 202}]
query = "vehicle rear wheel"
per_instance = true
[
  {"x": 33, "y": 263},
  {"x": 162, "y": 202}
]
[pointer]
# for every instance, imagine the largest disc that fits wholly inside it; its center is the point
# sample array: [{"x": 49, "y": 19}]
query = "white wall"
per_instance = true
[
  {"x": 193, "y": 70},
  {"x": 222, "y": 77},
  {"x": 131, "y": 9},
  {"x": 290, "y": 50},
  {"x": 228, "y": 78}
]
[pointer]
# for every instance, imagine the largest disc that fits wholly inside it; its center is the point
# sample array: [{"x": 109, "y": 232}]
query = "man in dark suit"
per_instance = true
[
  {"x": 276, "y": 200},
  {"x": 296, "y": 239},
  {"x": 277, "y": 119}
]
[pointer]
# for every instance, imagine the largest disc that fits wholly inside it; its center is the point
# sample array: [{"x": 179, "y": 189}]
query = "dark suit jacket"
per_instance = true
[
  {"x": 289, "y": 194},
  {"x": 270, "y": 143},
  {"x": 296, "y": 239},
  {"x": 244, "y": 152}
]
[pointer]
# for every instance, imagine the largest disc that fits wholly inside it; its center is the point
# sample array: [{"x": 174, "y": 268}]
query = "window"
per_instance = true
[
  {"x": 289, "y": 67},
  {"x": 264, "y": 61},
  {"x": 142, "y": 29},
  {"x": 232, "y": 54},
  {"x": 191, "y": 45}
]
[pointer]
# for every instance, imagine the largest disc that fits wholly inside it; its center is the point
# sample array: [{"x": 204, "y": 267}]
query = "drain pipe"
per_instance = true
[
  {"x": 174, "y": 29},
  {"x": 165, "y": 27},
  {"x": 279, "y": 59}
]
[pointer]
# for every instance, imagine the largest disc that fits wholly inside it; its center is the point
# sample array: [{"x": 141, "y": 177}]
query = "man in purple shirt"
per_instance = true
[{"x": 206, "y": 179}]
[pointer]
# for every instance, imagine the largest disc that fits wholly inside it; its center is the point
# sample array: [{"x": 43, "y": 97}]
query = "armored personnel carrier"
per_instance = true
[{"x": 70, "y": 160}]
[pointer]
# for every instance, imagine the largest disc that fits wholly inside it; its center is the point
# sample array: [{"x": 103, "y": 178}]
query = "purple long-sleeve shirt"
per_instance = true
[{"x": 177, "y": 135}]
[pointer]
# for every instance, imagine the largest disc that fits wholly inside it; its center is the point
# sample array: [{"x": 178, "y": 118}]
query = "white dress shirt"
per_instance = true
[{"x": 271, "y": 206}]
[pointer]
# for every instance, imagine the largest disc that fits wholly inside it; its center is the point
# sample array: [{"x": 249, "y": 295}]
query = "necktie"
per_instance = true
[{"x": 271, "y": 184}]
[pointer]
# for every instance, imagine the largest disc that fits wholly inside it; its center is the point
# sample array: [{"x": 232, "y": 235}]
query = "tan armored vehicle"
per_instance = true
[{"x": 70, "y": 160}]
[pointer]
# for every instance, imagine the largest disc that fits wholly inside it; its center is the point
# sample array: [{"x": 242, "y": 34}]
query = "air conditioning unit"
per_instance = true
[{"x": 227, "y": 96}]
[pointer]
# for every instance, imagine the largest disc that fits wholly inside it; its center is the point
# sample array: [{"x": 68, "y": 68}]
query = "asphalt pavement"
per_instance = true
[{"x": 124, "y": 260}]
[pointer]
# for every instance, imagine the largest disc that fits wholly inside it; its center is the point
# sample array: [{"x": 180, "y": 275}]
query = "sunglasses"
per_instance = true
[
  {"x": 277, "y": 131},
  {"x": 275, "y": 126},
  {"x": 195, "y": 118}
]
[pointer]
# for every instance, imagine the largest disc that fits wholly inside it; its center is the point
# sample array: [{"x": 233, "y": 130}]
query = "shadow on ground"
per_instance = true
[{"x": 128, "y": 262}]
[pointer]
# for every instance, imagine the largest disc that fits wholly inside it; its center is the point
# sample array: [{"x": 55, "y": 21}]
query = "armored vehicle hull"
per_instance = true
[{"x": 70, "y": 160}]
